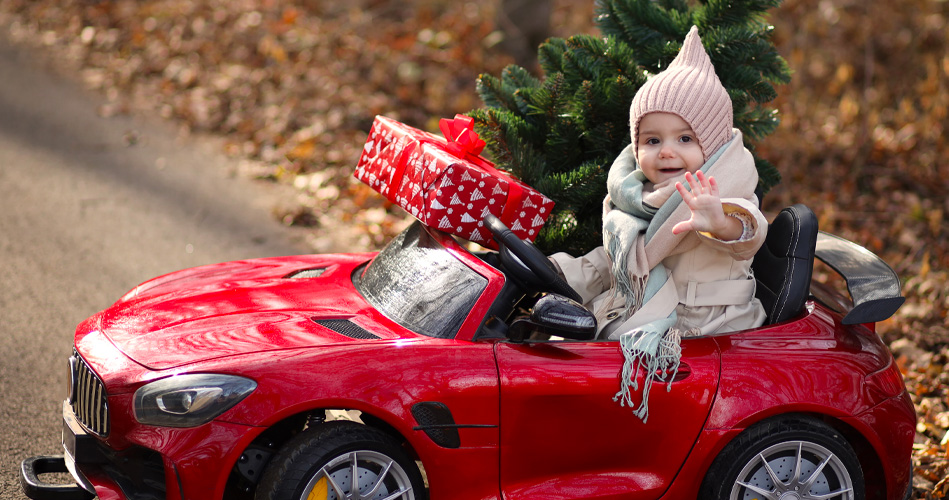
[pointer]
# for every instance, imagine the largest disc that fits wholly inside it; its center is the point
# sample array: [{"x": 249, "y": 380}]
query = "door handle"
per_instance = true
[{"x": 681, "y": 373}]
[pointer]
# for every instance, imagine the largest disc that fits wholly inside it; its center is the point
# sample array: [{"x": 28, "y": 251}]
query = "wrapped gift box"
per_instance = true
[{"x": 444, "y": 183}]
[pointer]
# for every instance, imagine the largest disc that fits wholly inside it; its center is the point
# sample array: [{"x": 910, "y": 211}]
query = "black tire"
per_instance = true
[
  {"x": 322, "y": 457},
  {"x": 739, "y": 472}
]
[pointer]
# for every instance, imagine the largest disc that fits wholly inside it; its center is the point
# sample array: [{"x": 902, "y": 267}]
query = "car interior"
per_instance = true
[{"x": 782, "y": 267}]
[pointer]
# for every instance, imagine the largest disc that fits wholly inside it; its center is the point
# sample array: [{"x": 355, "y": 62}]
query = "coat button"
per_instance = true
[{"x": 612, "y": 315}]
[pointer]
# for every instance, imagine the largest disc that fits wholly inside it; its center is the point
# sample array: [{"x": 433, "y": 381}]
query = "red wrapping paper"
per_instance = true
[{"x": 445, "y": 184}]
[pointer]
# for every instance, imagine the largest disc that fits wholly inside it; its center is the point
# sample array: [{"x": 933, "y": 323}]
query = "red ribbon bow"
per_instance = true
[{"x": 462, "y": 139}]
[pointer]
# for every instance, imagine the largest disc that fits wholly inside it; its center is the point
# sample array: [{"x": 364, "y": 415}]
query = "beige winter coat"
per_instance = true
[{"x": 712, "y": 281}]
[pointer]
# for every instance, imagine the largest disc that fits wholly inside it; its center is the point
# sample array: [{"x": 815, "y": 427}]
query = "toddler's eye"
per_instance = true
[
  {"x": 686, "y": 138},
  {"x": 652, "y": 141}
]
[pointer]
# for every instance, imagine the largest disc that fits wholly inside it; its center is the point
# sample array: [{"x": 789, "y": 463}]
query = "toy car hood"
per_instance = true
[{"x": 238, "y": 308}]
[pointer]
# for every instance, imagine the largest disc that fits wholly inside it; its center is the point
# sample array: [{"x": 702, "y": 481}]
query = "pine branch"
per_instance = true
[
  {"x": 757, "y": 123},
  {"x": 560, "y": 133},
  {"x": 515, "y": 77},
  {"x": 491, "y": 91},
  {"x": 768, "y": 175},
  {"x": 734, "y": 12},
  {"x": 646, "y": 26},
  {"x": 550, "y": 55}
]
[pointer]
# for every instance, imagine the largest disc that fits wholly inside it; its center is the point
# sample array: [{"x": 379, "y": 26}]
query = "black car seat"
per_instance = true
[{"x": 784, "y": 264}]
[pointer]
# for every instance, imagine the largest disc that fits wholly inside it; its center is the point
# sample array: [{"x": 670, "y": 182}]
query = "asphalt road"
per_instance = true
[{"x": 89, "y": 208}]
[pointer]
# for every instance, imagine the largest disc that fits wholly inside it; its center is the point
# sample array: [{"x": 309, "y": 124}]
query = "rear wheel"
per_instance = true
[
  {"x": 341, "y": 460},
  {"x": 795, "y": 458}
]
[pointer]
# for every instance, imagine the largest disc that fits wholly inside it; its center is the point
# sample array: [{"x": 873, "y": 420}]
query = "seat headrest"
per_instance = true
[{"x": 784, "y": 264}]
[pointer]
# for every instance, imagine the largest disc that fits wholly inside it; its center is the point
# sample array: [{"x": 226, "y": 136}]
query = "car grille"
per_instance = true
[{"x": 89, "y": 399}]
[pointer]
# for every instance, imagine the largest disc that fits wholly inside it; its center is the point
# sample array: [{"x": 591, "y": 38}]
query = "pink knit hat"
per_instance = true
[{"x": 689, "y": 88}]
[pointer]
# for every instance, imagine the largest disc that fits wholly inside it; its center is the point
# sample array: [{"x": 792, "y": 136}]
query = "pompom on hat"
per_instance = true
[{"x": 689, "y": 88}]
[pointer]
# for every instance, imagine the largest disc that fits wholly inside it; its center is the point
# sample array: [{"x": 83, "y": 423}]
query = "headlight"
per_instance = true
[{"x": 189, "y": 400}]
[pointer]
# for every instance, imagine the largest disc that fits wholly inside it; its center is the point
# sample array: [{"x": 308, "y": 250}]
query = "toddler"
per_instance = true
[{"x": 680, "y": 222}]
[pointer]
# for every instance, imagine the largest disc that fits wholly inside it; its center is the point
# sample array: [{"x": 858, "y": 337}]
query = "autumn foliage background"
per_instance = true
[{"x": 290, "y": 89}]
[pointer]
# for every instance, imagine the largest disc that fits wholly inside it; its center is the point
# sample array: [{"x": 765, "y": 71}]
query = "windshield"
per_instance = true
[{"x": 420, "y": 285}]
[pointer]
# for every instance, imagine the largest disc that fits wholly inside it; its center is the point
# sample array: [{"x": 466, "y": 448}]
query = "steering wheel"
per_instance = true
[{"x": 526, "y": 264}]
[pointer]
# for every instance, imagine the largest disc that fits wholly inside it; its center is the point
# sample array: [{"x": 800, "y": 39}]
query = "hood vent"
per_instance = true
[
  {"x": 306, "y": 273},
  {"x": 347, "y": 328}
]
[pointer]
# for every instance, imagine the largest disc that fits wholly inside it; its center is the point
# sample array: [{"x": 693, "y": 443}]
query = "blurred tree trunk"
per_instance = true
[{"x": 525, "y": 24}]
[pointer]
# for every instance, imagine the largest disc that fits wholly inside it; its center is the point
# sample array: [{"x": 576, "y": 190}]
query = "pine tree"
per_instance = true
[{"x": 560, "y": 133}]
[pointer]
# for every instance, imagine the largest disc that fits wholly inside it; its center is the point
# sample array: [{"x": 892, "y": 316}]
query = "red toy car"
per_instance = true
[{"x": 219, "y": 383}]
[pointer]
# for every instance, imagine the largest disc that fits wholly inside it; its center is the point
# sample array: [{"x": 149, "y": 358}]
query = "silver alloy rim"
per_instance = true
[
  {"x": 363, "y": 474},
  {"x": 794, "y": 470}
]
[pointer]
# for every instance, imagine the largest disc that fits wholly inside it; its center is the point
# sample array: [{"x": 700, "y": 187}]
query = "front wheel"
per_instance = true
[
  {"x": 341, "y": 460},
  {"x": 796, "y": 458}
]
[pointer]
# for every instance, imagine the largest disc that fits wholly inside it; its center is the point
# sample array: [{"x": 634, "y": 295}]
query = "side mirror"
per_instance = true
[{"x": 556, "y": 315}]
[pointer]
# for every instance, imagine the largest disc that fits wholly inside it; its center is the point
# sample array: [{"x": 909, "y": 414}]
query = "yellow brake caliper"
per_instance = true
[{"x": 319, "y": 491}]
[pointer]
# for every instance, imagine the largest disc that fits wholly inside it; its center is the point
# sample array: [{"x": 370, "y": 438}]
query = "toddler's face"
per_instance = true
[{"x": 668, "y": 147}]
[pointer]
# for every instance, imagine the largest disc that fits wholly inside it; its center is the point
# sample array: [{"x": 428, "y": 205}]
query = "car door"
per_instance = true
[{"x": 563, "y": 436}]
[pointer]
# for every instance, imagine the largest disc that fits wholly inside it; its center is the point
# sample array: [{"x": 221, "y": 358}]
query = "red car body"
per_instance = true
[{"x": 534, "y": 419}]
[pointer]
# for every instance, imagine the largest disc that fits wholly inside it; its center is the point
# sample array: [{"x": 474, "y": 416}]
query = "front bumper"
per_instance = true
[
  {"x": 95, "y": 468},
  {"x": 75, "y": 441},
  {"x": 34, "y": 487},
  {"x": 153, "y": 462}
]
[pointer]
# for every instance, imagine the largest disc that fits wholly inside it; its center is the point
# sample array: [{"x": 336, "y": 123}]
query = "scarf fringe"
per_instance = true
[
  {"x": 632, "y": 288},
  {"x": 660, "y": 366}
]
